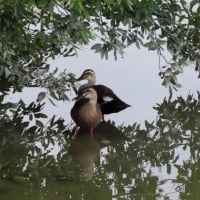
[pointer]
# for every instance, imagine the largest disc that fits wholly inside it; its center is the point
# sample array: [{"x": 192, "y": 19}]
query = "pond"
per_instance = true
[{"x": 149, "y": 151}]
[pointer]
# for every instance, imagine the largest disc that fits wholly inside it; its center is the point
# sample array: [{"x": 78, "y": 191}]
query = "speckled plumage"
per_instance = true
[{"x": 86, "y": 112}]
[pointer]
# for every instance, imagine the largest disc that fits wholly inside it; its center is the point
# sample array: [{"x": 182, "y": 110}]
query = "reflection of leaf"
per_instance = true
[
  {"x": 168, "y": 168},
  {"x": 132, "y": 160},
  {"x": 25, "y": 124},
  {"x": 32, "y": 129},
  {"x": 40, "y": 115},
  {"x": 52, "y": 120},
  {"x": 31, "y": 117},
  {"x": 39, "y": 123}
]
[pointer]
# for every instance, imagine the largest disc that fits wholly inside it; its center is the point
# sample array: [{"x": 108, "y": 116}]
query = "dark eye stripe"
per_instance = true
[{"x": 86, "y": 90}]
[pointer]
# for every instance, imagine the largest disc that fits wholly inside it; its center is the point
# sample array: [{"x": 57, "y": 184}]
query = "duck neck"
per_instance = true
[
  {"x": 90, "y": 83},
  {"x": 93, "y": 101}
]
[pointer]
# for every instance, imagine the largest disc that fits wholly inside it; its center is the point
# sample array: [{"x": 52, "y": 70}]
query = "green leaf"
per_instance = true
[
  {"x": 42, "y": 3},
  {"x": 40, "y": 115},
  {"x": 53, "y": 94},
  {"x": 194, "y": 3},
  {"x": 97, "y": 47},
  {"x": 51, "y": 101},
  {"x": 41, "y": 96}
]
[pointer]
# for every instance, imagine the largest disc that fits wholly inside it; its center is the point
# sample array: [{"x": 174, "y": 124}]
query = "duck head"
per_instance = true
[
  {"x": 88, "y": 93},
  {"x": 89, "y": 75}
]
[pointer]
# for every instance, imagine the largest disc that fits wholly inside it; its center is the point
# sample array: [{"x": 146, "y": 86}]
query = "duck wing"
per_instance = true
[{"x": 108, "y": 100}]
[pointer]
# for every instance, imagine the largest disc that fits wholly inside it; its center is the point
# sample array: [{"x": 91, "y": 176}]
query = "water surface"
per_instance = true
[{"x": 141, "y": 153}]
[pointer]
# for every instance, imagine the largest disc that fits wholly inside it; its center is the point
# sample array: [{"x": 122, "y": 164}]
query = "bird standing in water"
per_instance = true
[
  {"x": 86, "y": 111},
  {"x": 108, "y": 100}
]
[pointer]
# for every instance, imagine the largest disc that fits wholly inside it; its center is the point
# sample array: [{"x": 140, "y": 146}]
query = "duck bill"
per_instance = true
[
  {"x": 82, "y": 77},
  {"x": 77, "y": 98}
]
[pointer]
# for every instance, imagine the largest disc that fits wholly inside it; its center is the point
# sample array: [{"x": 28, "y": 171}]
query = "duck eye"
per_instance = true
[
  {"x": 86, "y": 74},
  {"x": 85, "y": 93}
]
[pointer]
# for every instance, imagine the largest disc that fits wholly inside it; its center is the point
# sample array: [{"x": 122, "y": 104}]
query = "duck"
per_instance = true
[
  {"x": 86, "y": 112},
  {"x": 109, "y": 102}
]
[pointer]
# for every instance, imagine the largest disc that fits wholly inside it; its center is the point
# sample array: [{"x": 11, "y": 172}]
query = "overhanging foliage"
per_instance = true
[{"x": 34, "y": 31}]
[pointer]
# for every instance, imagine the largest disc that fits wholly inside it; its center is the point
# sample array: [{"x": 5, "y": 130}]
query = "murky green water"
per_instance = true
[{"x": 159, "y": 161}]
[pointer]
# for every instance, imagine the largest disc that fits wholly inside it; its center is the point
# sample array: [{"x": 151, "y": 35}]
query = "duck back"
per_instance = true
[{"x": 108, "y": 100}]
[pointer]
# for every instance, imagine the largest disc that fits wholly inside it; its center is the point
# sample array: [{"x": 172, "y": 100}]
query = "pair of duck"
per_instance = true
[{"x": 93, "y": 102}]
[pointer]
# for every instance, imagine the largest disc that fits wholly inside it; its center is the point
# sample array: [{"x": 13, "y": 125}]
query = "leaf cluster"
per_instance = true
[{"x": 34, "y": 31}]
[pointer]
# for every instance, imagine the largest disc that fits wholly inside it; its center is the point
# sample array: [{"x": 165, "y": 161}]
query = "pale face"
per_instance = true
[
  {"x": 89, "y": 75},
  {"x": 90, "y": 94}
]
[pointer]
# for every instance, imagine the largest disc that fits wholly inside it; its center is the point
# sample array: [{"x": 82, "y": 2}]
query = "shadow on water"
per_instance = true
[{"x": 47, "y": 161}]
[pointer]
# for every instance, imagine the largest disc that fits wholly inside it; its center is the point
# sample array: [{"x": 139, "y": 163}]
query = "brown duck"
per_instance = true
[
  {"x": 108, "y": 100},
  {"x": 86, "y": 111}
]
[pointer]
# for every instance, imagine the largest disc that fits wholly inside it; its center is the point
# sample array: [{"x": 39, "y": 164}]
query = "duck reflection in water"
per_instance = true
[{"x": 85, "y": 150}]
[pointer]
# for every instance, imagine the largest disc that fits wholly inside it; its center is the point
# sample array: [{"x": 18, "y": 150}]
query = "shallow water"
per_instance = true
[{"x": 159, "y": 161}]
